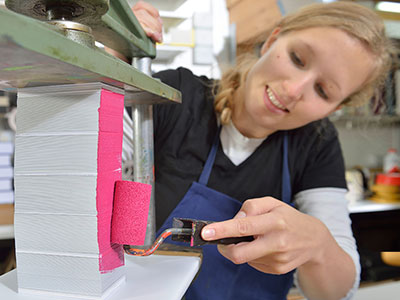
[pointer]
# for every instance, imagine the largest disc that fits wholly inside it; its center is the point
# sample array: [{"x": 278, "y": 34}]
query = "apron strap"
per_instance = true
[
  {"x": 205, "y": 174},
  {"x": 286, "y": 186}
]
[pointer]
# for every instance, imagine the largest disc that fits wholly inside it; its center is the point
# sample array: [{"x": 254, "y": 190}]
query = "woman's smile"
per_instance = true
[{"x": 272, "y": 103}]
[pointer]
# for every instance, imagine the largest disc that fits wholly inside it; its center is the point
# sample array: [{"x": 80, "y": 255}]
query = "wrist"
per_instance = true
[{"x": 323, "y": 246}]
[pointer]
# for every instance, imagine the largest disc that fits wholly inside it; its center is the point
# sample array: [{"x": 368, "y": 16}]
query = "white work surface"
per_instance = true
[
  {"x": 153, "y": 277},
  {"x": 385, "y": 291},
  {"x": 366, "y": 206}
]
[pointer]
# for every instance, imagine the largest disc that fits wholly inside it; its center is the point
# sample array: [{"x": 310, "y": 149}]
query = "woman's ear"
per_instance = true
[{"x": 271, "y": 39}]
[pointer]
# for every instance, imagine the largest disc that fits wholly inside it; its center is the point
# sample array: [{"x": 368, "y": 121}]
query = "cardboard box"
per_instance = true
[
  {"x": 253, "y": 18},
  {"x": 6, "y": 214}
]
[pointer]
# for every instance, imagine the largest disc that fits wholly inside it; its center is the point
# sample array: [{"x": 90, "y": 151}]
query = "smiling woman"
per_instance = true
[
  {"x": 255, "y": 151},
  {"x": 295, "y": 69},
  {"x": 359, "y": 23}
]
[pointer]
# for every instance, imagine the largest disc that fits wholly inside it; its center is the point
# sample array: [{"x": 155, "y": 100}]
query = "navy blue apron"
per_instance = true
[{"x": 219, "y": 278}]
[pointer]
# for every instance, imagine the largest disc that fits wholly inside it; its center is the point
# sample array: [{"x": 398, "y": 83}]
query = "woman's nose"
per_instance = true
[{"x": 295, "y": 87}]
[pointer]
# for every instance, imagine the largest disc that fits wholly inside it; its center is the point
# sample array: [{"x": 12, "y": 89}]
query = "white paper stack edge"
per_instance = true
[
  {"x": 64, "y": 190},
  {"x": 6, "y": 171}
]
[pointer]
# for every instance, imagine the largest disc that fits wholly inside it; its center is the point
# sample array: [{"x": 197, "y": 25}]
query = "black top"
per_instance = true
[{"x": 183, "y": 135}]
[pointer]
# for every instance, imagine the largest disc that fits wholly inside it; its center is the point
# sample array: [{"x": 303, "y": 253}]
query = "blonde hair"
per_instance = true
[{"x": 356, "y": 20}]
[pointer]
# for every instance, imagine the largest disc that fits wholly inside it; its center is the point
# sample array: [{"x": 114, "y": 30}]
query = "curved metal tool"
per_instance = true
[
  {"x": 166, "y": 233},
  {"x": 188, "y": 231}
]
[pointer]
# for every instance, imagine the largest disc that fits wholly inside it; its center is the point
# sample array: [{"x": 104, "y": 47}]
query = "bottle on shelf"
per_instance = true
[{"x": 391, "y": 161}]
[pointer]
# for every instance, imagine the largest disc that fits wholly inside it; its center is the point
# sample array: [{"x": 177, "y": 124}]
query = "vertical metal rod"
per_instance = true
[{"x": 143, "y": 149}]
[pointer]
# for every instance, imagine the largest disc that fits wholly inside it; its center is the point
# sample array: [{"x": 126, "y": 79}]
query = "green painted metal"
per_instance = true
[
  {"x": 34, "y": 53},
  {"x": 113, "y": 22},
  {"x": 121, "y": 20}
]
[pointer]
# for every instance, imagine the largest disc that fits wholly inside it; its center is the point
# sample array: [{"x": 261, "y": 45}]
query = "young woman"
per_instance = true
[{"x": 256, "y": 151}]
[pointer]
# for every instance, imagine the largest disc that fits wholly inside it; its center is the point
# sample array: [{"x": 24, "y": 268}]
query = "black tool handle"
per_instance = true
[
  {"x": 224, "y": 241},
  {"x": 232, "y": 240},
  {"x": 195, "y": 238}
]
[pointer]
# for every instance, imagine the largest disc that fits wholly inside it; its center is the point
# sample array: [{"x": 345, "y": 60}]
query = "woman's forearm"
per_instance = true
[{"x": 330, "y": 275}]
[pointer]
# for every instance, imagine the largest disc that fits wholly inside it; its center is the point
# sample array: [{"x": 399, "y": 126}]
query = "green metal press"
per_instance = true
[{"x": 52, "y": 42}]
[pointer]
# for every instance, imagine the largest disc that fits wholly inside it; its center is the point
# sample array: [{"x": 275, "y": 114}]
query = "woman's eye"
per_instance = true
[
  {"x": 321, "y": 91},
  {"x": 296, "y": 59}
]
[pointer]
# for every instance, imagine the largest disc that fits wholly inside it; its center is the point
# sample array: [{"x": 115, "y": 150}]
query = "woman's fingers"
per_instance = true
[
  {"x": 244, "y": 252},
  {"x": 141, "y": 5},
  {"x": 233, "y": 228},
  {"x": 265, "y": 253},
  {"x": 257, "y": 250},
  {"x": 252, "y": 219},
  {"x": 149, "y": 19},
  {"x": 248, "y": 226},
  {"x": 258, "y": 206}
]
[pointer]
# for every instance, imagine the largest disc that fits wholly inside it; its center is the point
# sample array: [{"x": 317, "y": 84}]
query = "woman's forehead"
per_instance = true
[{"x": 338, "y": 56}]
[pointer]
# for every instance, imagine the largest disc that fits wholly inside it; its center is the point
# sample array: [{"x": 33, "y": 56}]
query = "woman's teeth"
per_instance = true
[{"x": 274, "y": 100}]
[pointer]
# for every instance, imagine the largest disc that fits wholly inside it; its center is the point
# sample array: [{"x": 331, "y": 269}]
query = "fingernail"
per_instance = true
[
  {"x": 207, "y": 233},
  {"x": 160, "y": 20},
  {"x": 158, "y": 37},
  {"x": 241, "y": 214}
]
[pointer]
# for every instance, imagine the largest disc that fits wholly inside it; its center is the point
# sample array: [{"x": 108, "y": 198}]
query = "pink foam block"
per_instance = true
[
  {"x": 109, "y": 152},
  {"x": 131, "y": 207}
]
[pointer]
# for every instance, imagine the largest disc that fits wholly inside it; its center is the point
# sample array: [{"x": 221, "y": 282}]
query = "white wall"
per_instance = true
[
  {"x": 366, "y": 144},
  {"x": 220, "y": 18}
]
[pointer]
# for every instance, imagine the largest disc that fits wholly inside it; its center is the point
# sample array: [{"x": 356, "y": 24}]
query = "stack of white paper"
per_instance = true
[
  {"x": 6, "y": 172},
  {"x": 67, "y": 159}
]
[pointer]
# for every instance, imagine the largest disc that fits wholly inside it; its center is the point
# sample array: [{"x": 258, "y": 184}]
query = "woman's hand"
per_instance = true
[
  {"x": 284, "y": 237},
  {"x": 150, "y": 20}
]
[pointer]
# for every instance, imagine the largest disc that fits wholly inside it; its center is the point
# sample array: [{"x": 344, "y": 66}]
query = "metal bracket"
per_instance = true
[
  {"x": 34, "y": 53},
  {"x": 112, "y": 22}
]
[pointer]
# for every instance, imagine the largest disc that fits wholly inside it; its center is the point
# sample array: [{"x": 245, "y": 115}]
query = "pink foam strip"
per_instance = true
[
  {"x": 111, "y": 107},
  {"x": 110, "y": 112},
  {"x": 106, "y": 189},
  {"x": 131, "y": 207},
  {"x": 110, "y": 123},
  {"x": 111, "y": 156},
  {"x": 109, "y": 153},
  {"x": 108, "y": 258}
]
